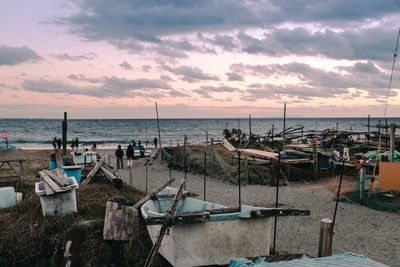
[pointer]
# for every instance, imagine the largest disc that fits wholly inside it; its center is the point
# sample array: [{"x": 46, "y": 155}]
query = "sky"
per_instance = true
[{"x": 198, "y": 59}]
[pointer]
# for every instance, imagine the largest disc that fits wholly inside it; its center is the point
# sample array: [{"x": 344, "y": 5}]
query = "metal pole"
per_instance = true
[
  {"x": 240, "y": 181},
  {"x": 205, "y": 174},
  {"x": 276, "y": 201},
  {"x": 158, "y": 127}
]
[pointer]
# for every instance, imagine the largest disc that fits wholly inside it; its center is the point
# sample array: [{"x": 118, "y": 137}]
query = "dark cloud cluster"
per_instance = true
[
  {"x": 125, "y": 65},
  {"x": 17, "y": 55}
]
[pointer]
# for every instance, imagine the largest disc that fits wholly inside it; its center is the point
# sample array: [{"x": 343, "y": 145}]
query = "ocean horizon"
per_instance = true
[{"x": 37, "y": 133}]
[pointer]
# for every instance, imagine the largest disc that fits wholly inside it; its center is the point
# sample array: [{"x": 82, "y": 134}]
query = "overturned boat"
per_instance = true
[{"x": 202, "y": 233}]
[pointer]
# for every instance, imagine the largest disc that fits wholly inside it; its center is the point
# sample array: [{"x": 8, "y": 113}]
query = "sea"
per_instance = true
[{"x": 108, "y": 133}]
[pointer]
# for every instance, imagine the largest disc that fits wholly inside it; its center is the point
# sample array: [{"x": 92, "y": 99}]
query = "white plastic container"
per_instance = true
[
  {"x": 58, "y": 204},
  {"x": 8, "y": 197}
]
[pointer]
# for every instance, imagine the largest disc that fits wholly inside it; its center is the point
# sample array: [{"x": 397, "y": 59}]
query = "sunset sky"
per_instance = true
[{"x": 197, "y": 59}]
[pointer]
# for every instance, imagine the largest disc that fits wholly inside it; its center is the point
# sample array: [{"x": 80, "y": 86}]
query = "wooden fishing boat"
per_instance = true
[{"x": 203, "y": 233}]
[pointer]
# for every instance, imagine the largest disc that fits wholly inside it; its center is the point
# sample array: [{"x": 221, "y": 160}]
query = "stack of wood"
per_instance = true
[
  {"x": 54, "y": 181},
  {"x": 102, "y": 167}
]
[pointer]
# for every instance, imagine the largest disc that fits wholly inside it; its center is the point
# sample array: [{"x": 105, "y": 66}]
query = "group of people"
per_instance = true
[
  {"x": 57, "y": 143},
  {"x": 130, "y": 152},
  {"x": 75, "y": 143}
]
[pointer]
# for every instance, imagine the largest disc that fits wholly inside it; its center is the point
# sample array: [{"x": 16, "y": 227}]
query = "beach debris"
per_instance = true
[
  {"x": 8, "y": 197},
  {"x": 56, "y": 193},
  {"x": 107, "y": 170},
  {"x": 121, "y": 222}
]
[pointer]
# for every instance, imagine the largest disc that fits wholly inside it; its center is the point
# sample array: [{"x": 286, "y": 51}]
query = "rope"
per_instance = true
[{"x": 391, "y": 74}]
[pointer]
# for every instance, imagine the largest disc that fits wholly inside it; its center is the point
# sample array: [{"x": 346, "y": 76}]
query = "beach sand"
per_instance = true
[{"x": 358, "y": 229}]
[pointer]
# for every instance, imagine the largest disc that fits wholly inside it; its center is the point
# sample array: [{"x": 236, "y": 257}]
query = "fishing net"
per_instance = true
[{"x": 378, "y": 200}]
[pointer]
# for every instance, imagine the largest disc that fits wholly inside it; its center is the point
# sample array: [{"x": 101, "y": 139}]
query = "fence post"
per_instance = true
[{"x": 325, "y": 238}]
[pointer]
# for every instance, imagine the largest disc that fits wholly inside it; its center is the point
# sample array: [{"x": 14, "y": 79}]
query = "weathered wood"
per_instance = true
[
  {"x": 121, "y": 222},
  {"x": 108, "y": 174},
  {"x": 152, "y": 194},
  {"x": 164, "y": 227},
  {"x": 325, "y": 238},
  {"x": 392, "y": 141},
  {"x": 48, "y": 189},
  {"x": 94, "y": 170},
  {"x": 60, "y": 179},
  {"x": 54, "y": 186}
]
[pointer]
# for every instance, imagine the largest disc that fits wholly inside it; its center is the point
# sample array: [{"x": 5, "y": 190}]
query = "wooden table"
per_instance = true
[{"x": 18, "y": 174}]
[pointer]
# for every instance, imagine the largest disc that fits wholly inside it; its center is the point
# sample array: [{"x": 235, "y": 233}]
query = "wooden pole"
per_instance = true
[
  {"x": 386, "y": 136},
  {"x": 158, "y": 127},
  {"x": 238, "y": 124},
  {"x": 249, "y": 126},
  {"x": 240, "y": 182},
  {"x": 325, "y": 238},
  {"x": 64, "y": 134},
  {"x": 207, "y": 138},
  {"x": 212, "y": 157},
  {"x": 315, "y": 159},
  {"x": 284, "y": 126},
  {"x": 369, "y": 123},
  {"x": 147, "y": 174},
  {"x": 130, "y": 173},
  {"x": 276, "y": 201},
  {"x": 337, "y": 126},
  {"x": 392, "y": 140},
  {"x": 272, "y": 139},
  {"x": 338, "y": 194},
  {"x": 205, "y": 174},
  {"x": 184, "y": 160}
]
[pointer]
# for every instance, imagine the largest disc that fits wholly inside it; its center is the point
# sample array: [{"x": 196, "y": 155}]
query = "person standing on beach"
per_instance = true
[
  {"x": 54, "y": 143},
  {"x": 119, "y": 153},
  {"x": 155, "y": 141},
  {"x": 133, "y": 143},
  {"x": 129, "y": 155},
  {"x": 77, "y": 143},
  {"x": 59, "y": 143},
  {"x": 73, "y": 144}
]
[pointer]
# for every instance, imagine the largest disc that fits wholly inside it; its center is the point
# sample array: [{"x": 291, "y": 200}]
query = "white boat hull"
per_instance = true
[{"x": 213, "y": 242}]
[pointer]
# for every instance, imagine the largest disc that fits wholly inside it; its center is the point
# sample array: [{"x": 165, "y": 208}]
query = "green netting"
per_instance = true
[{"x": 379, "y": 200}]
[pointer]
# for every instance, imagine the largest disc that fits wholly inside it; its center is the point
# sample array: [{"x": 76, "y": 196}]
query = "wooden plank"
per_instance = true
[
  {"x": 51, "y": 183},
  {"x": 152, "y": 193},
  {"x": 48, "y": 189},
  {"x": 121, "y": 222},
  {"x": 94, "y": 170},
  {"x": 60, "y": 179},
  {"x": 109, "y": 175},
  {"x": 260, "y": 153}
]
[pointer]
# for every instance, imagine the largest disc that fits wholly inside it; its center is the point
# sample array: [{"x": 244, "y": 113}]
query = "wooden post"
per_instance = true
[
  {"x": 315, "y": 159},
  {"x": 147, "y": 173},
  {"x": 64, "y": 134},
  {"x": 337, "y": 126},
  {"x": 206, "y": 138},
  {"x": 284, "y": 126},
  {"x": 369, "y": 123},
  {"x": 212, "y": 157},
  {"x": 238, "y": 124},
  {"x": 386, "y": 136},
  {"x": 249, "y": 126},
  {"x": 184, "y": 160},
  {"x": 392, "y": 140},
  {"x": 240, "y": 182},
  {"x": 159, "y": 134},
  {"x": 325, "y": 238},
  {"x": 276, "y": 201},
  {"x": 130, "y": 174},
  {"x": 272, "y": 139},
  {"x": 205, "y": 174}
]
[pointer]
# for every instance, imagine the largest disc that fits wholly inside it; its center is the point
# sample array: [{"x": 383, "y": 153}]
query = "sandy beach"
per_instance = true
[{"x": 358, "y": 229}]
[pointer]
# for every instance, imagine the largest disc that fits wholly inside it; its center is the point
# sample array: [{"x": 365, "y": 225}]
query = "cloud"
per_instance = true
[
  {"x": 17, "y": 55},
  {"x": 125, "y": 65},
  {"x": 232, "y": 76},
  {"x": 191, "y": 74},
  {"x": 65, "y": 56},
  {"x": 206, "y": 91},
  {"x": 109, "y": 87},
  {"x": 83, "y": 78}
]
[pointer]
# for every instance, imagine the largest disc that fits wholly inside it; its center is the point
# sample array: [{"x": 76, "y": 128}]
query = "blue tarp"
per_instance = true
[{"x": 341, "y": 260}]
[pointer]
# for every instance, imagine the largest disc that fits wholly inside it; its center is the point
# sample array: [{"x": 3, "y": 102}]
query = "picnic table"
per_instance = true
[{"x": 17, "y": 174}]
